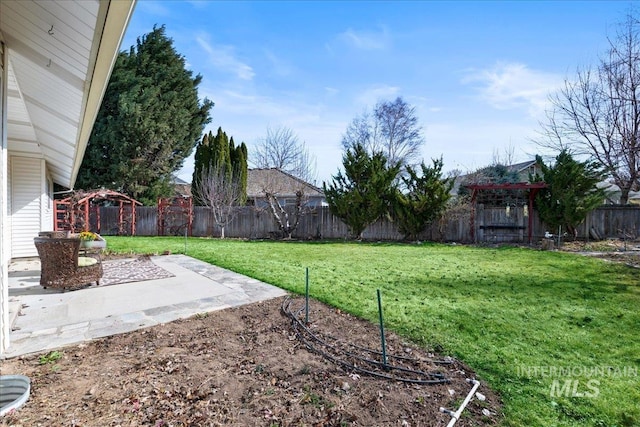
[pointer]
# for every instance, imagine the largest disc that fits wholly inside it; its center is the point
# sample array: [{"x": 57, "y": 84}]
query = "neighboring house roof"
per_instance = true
[
  {"x": 179, "y": 181},
  {"x": 181, "y": 187},
  {"x": 521, "y": 167},
  {"x": 60, "y": 58},
  {"x": 278, "y": 182},
  {"x": 261, "y": 180},
  {"x": 613, "y": 194}
]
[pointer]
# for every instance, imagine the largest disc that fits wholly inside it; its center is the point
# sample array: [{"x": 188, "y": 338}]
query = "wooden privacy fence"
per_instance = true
[{"x": 491, "y": 225}]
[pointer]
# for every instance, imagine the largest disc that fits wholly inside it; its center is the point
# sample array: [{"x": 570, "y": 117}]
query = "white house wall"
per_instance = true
[
  {"x": 57, "y": 59},
  {"x": 27, "y": 204},
  {"x": 4, "y": 212}
]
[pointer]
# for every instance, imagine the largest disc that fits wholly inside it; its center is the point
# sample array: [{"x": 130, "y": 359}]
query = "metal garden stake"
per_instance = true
[
  {"x": 384, "y": 347},
  {"x": 306, "y": 293},
  {"x": 185, "y": 241}
]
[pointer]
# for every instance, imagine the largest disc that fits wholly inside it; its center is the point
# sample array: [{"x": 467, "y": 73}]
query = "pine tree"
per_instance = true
[
  {"x": 149, "y": 121},
  {"x": 363, "y": 194},
  {"x": 571, "y": 191},
  {"x": 424, "y": 200}
]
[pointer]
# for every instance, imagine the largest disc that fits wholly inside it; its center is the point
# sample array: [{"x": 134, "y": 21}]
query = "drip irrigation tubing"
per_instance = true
[{"x": 362, "y": 360}]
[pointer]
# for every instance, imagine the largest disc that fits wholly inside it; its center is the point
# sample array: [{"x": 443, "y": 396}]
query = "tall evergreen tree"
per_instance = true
[
  {"x": 239, "y": 158},
  {"x": 364, "y": 192},
  {"x": 424, "y": 200},
  {"x": 150, "y": 120},
  {"x": 201, "y": 157},
  {"x": 219, "y": 157},
  {"x": 571, "y": 193}
]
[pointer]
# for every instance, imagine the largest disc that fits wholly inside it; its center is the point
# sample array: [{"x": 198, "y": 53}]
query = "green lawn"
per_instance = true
[{"x": 514, "y": 315}]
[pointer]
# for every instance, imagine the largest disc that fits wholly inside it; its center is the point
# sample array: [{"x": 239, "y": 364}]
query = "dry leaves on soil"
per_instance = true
[{"x": 241, "y": 366}]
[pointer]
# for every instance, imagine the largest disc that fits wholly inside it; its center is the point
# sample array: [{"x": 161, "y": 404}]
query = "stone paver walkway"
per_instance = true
[{"x": 45, "y": 319}]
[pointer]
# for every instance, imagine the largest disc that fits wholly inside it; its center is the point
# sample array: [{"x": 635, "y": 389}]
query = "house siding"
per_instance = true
[
  {"x": 27, "y": 196},
  {"x": 4, "y": 218},
  {"x": 46, "y": 217}
]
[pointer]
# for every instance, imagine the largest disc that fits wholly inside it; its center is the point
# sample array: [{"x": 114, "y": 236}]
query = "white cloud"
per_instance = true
[
  {"x": 223, "y": 58},
  {"x": 514, "y": 85},
  {"x": 367, "y": 40},
  {"x": 246, "y": 105},
  {"x": 251, "y": 113},
  {"x": 331, "y": 91},
  {"x": 156, "y": 8},
  {"x": 371, "y": 96},
  {"x": 278, "y": 65}
]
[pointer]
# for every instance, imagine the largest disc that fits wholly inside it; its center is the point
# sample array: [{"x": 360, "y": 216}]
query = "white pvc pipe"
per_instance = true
[{"x": 456, "y": 415}]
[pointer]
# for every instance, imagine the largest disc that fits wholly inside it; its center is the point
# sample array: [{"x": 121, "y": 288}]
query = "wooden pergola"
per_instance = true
[
  {"x": 73, "y": 213},
  {"x": 532, "y": 189}
]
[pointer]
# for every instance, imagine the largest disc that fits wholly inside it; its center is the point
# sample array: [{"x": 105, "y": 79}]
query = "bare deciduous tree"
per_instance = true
[
  {"x": 221, "y": 194},
  {"x": 392, "y": 130},
  {"x": 598, "y": 113},
  {"x": 506, "y": 158},
  {"x": 287, "y": 221},
  {"x": 281, "y": 149},
  {"x": 279, "y": 188}
]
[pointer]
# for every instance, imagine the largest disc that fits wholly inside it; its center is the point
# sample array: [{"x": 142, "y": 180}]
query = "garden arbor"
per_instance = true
[
  {"x": 75, "y": 213},
  {"x": 175, "y": 216},
  {"x": 498, "y": 211}
]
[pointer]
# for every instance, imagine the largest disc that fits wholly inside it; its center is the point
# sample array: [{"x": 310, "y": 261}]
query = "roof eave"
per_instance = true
[{"x": 114, "y": 16}]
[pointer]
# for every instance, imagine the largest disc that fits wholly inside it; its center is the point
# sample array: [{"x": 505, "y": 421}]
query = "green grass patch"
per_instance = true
[
  {"x": 556, "y": 334},
  {"x": 51, "y": 357}
]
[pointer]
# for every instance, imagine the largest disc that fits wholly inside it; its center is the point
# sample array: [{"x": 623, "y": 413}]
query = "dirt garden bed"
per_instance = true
[
  {"x": 242, "y": 366},
  {"x": 614, "y": 250}
]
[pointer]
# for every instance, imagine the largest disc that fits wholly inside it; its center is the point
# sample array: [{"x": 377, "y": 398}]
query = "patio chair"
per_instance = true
[
  {"x": 62, "y": 268},
  {"x": 57, "y": 234}
]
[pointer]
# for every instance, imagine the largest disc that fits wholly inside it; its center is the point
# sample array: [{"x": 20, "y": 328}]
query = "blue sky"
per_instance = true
[{"x": 478, "y": 73}]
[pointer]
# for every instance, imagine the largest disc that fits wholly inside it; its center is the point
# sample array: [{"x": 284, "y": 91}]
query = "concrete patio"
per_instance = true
[{"x": 46, "y": 319}]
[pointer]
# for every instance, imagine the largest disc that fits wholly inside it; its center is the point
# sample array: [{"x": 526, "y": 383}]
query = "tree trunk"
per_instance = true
[{"x": 624, "y": 196}]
